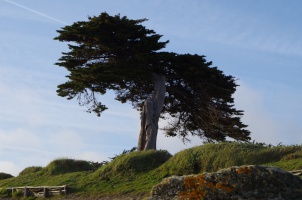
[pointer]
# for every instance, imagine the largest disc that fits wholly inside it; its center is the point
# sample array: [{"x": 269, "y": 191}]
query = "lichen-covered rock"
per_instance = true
[{"x": 244, "y": 182}]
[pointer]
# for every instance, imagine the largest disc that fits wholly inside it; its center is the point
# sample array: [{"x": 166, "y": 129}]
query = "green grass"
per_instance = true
[
  {"x": 29, "y": 170},
  {"x": 133, "y": 163},
  {"x": 135, "y": 173},
  {"x": 212, "y": 157}
]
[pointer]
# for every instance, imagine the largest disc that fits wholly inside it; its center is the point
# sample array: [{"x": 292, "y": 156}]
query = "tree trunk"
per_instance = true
[{"x": 151, "y": 113}]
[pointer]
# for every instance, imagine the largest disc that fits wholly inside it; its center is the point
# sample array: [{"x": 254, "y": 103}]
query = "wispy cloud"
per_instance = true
[
  {"x": 236, "y": 29},
  {"x": 35, "y": 12}
]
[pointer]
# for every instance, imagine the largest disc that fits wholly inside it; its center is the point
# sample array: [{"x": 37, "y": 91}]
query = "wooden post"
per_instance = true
[
  {"x": 45, "y": 193},
  {"x": 26, "y": 192},
  {"x": 65, "y": 188}
]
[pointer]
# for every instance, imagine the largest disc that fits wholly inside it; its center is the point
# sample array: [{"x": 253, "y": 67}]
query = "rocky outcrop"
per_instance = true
[{"x": 244, "y": 182}]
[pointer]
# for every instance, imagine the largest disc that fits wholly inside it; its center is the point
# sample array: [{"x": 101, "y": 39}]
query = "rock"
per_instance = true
[{"x": 244, "y": 182}]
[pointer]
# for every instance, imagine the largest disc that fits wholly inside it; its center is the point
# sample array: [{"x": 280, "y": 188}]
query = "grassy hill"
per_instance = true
[{"x": 134, "y": 174}]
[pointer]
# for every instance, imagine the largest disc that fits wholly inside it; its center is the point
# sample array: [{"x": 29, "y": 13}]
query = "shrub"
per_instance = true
[
  {"x": 123, "y": 153},
  {"x": 5, "y": 176},
  {"x": 295, "y": 155},
  {"x": 4, "y": 193},
  {"x": 212, "y": 157},
  {"x": 29, "y": 170},
  {"x": 134, "y": 163},
  {"x": 17, "y": 194},
  {"x": 65, "y": 165}
]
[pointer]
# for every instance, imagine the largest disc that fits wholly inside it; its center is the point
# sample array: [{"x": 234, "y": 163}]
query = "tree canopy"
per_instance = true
[{"x": 120, "y": 54}]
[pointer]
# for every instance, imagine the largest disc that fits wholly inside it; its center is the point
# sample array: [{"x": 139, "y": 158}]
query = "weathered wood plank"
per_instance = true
[{"x": 40, "y": 191}]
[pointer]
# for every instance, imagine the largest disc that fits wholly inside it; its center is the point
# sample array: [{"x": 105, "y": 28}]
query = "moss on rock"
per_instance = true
[{"x": 244, "y": 182}]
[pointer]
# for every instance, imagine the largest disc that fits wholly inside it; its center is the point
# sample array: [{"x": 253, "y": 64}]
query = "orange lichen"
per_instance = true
[
  {"x": 244, "y": 170},
  {"x": 196, "y": 187}
]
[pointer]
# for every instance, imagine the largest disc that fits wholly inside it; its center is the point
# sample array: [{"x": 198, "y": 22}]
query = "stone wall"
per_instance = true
[{"x": 244, "y": 182}]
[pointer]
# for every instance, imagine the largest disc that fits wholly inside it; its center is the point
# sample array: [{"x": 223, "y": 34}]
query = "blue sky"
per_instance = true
[{"x": 257, "y": 41}]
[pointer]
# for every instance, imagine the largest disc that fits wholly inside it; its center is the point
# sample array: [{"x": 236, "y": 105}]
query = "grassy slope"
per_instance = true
[{"x": 135, "y": 173}]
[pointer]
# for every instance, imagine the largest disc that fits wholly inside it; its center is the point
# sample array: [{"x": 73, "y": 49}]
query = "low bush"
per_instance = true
[
  {"x": 29, "y": 170},
  {"x": 17, "y": 194},
  {"x": 212, "y": 157},
  {"x": 5, "y": 176},
  {"x": 65, "y": 165},
  {"x": 134, "y": 163},
  {"x": 4, "y": 193},
  {"x": 295, "y": 155}
]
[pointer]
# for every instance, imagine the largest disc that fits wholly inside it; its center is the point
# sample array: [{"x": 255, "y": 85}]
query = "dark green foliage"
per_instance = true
[
  {"x": 119, "y": 54},
  {"x": 5, "y": 176},
  {"x": 96, "y": 165},
  {"x": 30, "y": 170},
  {"x": 4, "y": 193},
  {"x": 110, "y": 54},
  {"x": 124, "y": 152},
  {"x": 65, "y": 165},
  {"x": 17, "y": 195},
  {"x": 199, "y": 100},
  {"x": 295, "y": 155}
]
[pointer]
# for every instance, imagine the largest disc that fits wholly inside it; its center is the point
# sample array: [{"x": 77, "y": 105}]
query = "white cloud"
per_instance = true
[
  {"x": 19, "y": 138},
  {"x": 174, "y": 144},
  {"x": 9, "y": 168},
  {"x": 66, "y": 141},
  {"x": 265, "y": 125},
  {"x": 92, "y": 156},
  {"x": 261, "y": 123},
  {"x": 22, "y": 105}
]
